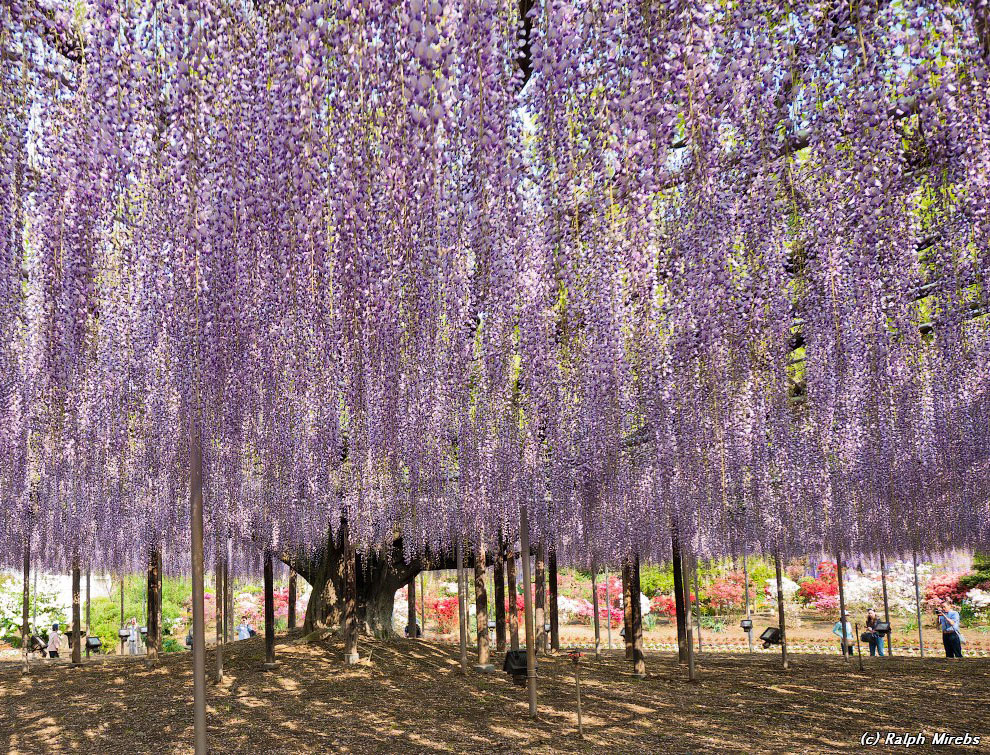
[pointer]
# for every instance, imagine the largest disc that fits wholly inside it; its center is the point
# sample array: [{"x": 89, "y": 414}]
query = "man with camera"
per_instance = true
[{"x": 948, "y": 621}]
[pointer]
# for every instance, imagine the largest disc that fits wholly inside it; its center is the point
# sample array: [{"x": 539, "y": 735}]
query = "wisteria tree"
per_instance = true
[{"x": 713, "y": 269}]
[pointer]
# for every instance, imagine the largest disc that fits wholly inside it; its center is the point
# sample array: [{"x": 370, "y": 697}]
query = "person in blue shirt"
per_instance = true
[
  {"x": 845, "y": 643},
  {"x": 948, "y": 621}
]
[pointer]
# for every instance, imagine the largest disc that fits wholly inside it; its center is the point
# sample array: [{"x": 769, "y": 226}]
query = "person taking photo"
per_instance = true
[{"x": 948, "y": 621}]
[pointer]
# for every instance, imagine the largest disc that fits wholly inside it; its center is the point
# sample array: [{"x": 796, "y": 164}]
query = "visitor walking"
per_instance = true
[
  {"x": 53, "y": 642},
  {"x": 875, "y": 638},
  {"x": 948, "y": 621},
  {"x": 845, "y": 643},
  {"x": 132, "y": 636}
]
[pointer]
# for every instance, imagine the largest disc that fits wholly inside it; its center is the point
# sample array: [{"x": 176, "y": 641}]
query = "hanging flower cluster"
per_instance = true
[{"x": 720, "y": 270}]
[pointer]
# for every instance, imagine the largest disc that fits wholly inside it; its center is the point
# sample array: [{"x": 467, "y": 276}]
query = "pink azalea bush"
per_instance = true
[{"x": 942, "y": 588}]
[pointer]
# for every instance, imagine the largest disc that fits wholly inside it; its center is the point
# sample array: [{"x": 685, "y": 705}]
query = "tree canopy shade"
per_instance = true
[{"x": 411, "y": 263}]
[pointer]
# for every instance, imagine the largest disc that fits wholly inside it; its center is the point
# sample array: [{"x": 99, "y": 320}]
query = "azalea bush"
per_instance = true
[
  {"x": 445, "y": 613},
  {"x": 663, "y": 605},
  {"x": 942, "y": 588},
  {"x": 726, "y": 593}
]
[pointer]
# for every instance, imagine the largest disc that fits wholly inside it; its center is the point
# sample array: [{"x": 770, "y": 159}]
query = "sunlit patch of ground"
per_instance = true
[{"x": 411, "y": 696}]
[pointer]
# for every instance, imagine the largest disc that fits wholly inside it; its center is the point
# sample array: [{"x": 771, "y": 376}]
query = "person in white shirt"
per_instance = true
[
  {"x": 53, "y": 642},
  {"x": 132, "y": 636},
  {"x": 847, "y": 642}
]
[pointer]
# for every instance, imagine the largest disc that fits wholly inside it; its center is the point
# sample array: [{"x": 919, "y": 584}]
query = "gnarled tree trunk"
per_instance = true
[{"x": 379, "y": 576}]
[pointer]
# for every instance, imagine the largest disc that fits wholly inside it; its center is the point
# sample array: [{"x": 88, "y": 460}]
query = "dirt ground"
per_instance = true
[{"x": 411, "y": 696}]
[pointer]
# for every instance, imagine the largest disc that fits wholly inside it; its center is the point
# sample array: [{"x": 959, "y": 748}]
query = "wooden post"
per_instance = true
[
  {"x": 627, "y": 616},
  {"x": 270, "y": 610},
  {"x": 196, "y": 552},
  {"x": 76, "y": 628},
  {"x": 510, "y": 578},
  {"x": 688, "y": 631},
  {"x": 842, "y": 603},
  {"x": 292, "y": 598},
  {"x": 917, "y": 605},
  {"x": 528, "y": 609},
  {"x": 422, "y": 600},
  {"x": 411, "y": 625},
  {"x": 351, "y": 655},
  {"x": 594, "y": 609},
  {"x": 154, "y": 600},
  {"x": 122, "y": 619},
  {"x": 554, "y": 618},
  {"x": 87, "y": 611},
  {"x": 859, "y": 648},
  {"x": 481, "y": 609},
  {"x": 577, "y": 684},
  {"x": 218, "y": 610},
  {"x": 780, "y": 609},
  {"x": 228, "y": 583},
  {"x": 749, "y": 632},
  {"x": 639, "y": 657},
  {"x": 608, "y": 611},
  {"x": 540, "y": 591},
  {"x": 498, "y": 576},
  {"x": 680, "y": 607},
  {"x": 462, "y": 606},
  {"x": 697, "y": 602},
  {"x": 886, "y": 604},
  {"x": 26, "y": 607}
]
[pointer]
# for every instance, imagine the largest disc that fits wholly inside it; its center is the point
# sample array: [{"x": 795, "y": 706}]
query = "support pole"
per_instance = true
[
  {"x": 87, "y": 612},
  {"x": 76, "y": 633},
  {"x": 351, "y": 655},
  {"x": 780, "y": 609},
  {"x": 608, "y": 611},
  {"x": 859, "y": 648},
  {"x": 122, "y": 619},
  {"x": 498, "y": 576},
  {"x": 594, "y": 609},
  {"x": 639, "y": 657},
  {"x": 528, "y": 610},
  {"x": 749, "y": 632},
  {"x": 228, "y": 583},
  {"x": 481, "y": 609},
  {"x": 540, "y": 591},
  {"x": 917, "y": 605},
  {"x": 270, "y": 610},
  {"x": 577, "y": 684},
  {"x": 697, "y": 603},
  {"x": 411, "y": 609},
  {"x": 292, "y": 598},
  {"x": 627, "y": 618},
  {"x": 25, "y": 608},
  {"x": 688, "y": 639},
  {"x": 422, "y": 599},
  {"x": 510, "y": 578},
  {"x": 554, "y": 618},
  {"x": 886, "y": 603},
  {"x": 462, "y": 607},
  {"x": 218, "y": 607},
  {"x": 199, "y": 617},
  {"x": 154, "y": 600},
  {"x": 681, "y": 607},
  {"x": 842, "y": 603}
]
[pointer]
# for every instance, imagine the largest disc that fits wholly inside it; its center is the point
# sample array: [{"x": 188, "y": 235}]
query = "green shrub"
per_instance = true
[
  {"x": 171, "y": 645},
  {"x": 981, "y": 571},
  {"x": 656, "y": 580}
]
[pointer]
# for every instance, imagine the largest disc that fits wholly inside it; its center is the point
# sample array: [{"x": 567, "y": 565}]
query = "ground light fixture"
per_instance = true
[{"x": 770, "y": 636}]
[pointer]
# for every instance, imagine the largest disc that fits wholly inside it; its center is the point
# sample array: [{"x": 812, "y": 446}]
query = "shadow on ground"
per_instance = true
[{"x": 411, "y": 696}]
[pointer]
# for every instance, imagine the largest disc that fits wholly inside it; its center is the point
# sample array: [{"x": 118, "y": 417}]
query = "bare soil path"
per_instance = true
[{"x": 411, "y": 697}]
